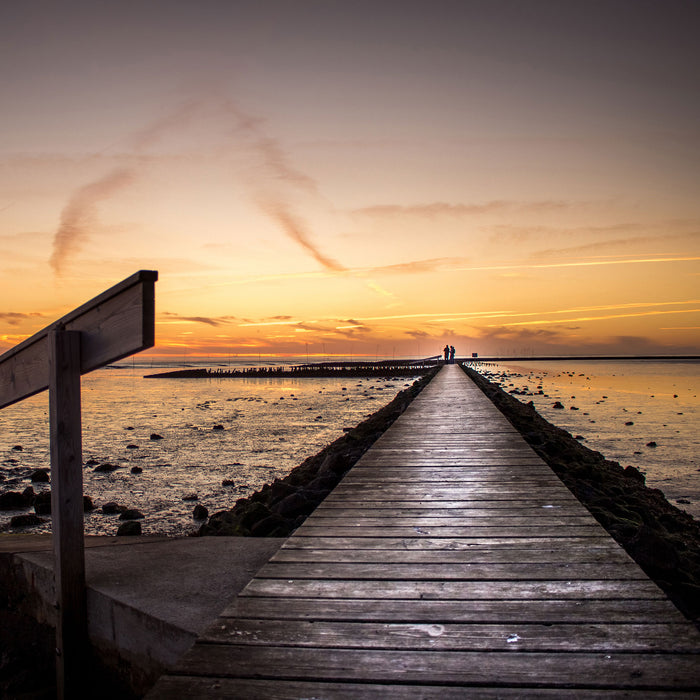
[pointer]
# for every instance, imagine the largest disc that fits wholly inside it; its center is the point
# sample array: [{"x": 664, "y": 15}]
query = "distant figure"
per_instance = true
[
  {"x": 447, "y": 353},
  {"x": 452, "y": 354}
]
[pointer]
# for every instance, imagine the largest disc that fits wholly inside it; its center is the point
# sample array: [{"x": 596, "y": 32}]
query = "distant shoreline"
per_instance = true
[
  {"x": 387, "y": 368},
  {"x": 578, "y": 358}
]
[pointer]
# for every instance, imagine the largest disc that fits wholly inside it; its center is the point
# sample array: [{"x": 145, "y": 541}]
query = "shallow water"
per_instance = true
[
  {"x": 248, "y": 431},
  {"x": 269, "y": 426},
  {"x": 618, "y": 408}
]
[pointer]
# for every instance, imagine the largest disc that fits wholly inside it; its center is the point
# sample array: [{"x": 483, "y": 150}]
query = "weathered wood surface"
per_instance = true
[
  {"x": 116, "y": 323},
  {"x": 67, "y": 509},
  {"x": 450, "y": 562}
]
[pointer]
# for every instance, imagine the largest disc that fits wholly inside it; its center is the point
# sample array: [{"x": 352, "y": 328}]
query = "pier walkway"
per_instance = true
[{"x": 450, "y": 562}]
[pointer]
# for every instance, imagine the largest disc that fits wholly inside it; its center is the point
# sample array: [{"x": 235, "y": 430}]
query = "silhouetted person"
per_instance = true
[
  {"x": 452, "y": 354},
  {"x": 446, "y": 351}
]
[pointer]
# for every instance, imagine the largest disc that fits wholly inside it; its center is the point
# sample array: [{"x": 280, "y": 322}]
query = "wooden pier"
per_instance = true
[{"x": 450, "y": 562}]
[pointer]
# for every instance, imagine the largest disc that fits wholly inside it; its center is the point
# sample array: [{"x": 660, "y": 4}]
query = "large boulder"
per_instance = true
[
  {"x": 14, "y": 500},
  {"x": 129, "y": 529}
]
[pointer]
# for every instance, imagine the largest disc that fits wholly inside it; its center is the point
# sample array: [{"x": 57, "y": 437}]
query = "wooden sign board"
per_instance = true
[{"x": 113, "y": 325}]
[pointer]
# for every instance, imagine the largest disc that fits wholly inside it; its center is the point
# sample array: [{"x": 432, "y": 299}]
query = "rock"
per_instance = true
[
  {"x": 629, "y": 422},
  {"x": 653, "y": 552},
  {"x": 558, "y": 404},
  {"x": 251, "y": 513},
  {"x": 155, "y": 436},
  {"x": 28, "y": 520},
  {"x": 88, "y": 505},
  {"x": 42, "y": 503},
  {"x": 136, "y": 470},
  {"x": 218, "y": 427},
  {"x": 106, "y": 468},
  {"x": 132, "y": 447},
  {"x": 112, "y": 508},
  {"x": 293, "y": 505},
  {"x": 91, "y": 462},
  {"x": 40, "y": 476},
  {"x": 129, "y": 529},
  {"x": 17, "y": 448},
  {"x": 131, "y": 514},
  {"x": 13, "y": 500},
  {"x": 633, "y": 473},
  {"x": 191, "y": 497},
  {"x": 272, "y": 526},
  {"x": 228, "y": 482},
  {"x": 200, "y": 512},
  {"x": 651, "y": 444}
]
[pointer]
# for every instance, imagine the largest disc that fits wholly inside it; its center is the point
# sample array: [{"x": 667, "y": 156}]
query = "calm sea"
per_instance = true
[
  {"x": 643, "y": 413},
  {"x": 250, "y": 431},
  {"x": 245, "y": 431}
]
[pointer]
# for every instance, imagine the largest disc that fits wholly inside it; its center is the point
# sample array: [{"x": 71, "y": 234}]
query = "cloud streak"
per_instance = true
[
  {"x": 214, "y": 321},
  {"x": 295, "y": 229},
  {"x": 579, "y": 319},
  {"x": 580, "y": 263},
  {"x": 433, "y": 210},
  {"x": 15, "y": 318},
  {"x": 80, "y": 214}
]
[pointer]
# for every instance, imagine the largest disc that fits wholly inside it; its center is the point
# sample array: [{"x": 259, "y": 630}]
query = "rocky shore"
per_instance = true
[
  {"x": 662, "y": 539},
  {"x": 279, "y": 508}
]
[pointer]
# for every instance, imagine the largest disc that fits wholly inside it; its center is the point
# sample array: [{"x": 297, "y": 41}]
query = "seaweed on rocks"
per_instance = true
[
  {"x": 278, "y": 508},
  {"x": 662, "y": 539}
]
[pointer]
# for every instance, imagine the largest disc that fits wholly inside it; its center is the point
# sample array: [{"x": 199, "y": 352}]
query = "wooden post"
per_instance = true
[
  {"x": 113, "y": 325},
  {"x": 67, "y": 510}
]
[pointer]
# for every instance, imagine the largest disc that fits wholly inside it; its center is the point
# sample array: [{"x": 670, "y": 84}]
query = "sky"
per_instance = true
[{"x": 325, "y": 177}]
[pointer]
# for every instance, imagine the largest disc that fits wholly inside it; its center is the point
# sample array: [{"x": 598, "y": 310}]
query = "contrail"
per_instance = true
[
  {"x": 293, "y": 227},
  {"x": 279, "y": 178},
  {"x": 79, "y": 213},
  {"x": 281, "y": 174}
]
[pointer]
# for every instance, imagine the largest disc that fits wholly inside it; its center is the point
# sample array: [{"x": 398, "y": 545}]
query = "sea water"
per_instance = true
[
  {"x": 637, "y": 412},
  {"x": 196, "y": 441},
  {"x": 247, "y": 432}
]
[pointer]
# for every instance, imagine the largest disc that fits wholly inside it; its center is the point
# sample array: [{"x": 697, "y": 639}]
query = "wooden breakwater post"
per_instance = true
[{"x": 117, "y": 323}]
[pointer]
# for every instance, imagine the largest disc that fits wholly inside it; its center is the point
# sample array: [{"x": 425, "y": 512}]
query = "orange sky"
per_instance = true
[{"x": 357, "y": 178}]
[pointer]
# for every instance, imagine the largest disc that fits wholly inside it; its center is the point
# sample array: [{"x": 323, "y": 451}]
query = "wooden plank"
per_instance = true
[
  {"x": 407, "y": 544},
  {"x": 309, "y": 530},
  {"x": 438, "y": 510},
  {"x": 660, "y": 637},
  {"x": 448, "y": 492},
  {"x": 398, "y": 520},
  {"x": 454, "y": 590},
  {"x": 510, "y": 571},
  {"x": 335, "y": 500},
  {"x": 199, "y": 688},
  {"x": 588, "y": 555},
  {"x": 522, "y": 481},
  {"x": 522, "y": 669},
  {"x": 437, "y": 611},
  {"x": 67, "y": 509},
  {"x": 117, "y": 323}
]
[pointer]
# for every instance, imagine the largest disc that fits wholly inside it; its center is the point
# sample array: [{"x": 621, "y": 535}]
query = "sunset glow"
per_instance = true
[{"x": 367, "y": 178}]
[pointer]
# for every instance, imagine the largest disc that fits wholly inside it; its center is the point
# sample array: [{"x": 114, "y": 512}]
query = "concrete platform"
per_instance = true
[{"x": 148, "y": 597}]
